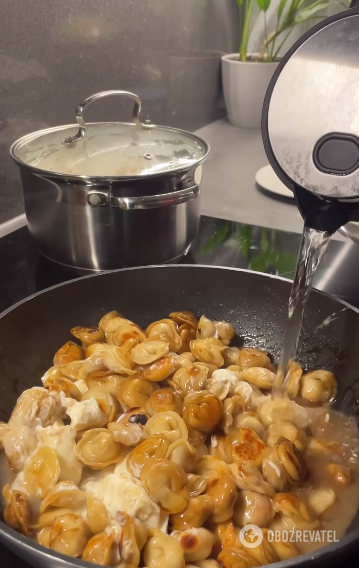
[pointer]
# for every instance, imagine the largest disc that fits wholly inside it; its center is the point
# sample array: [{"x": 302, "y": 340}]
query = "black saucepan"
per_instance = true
[{"x": 32, "y": 331}]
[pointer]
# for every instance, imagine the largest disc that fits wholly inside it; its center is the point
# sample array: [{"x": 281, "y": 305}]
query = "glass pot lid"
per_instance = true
[{"x": 110, "y": 149}]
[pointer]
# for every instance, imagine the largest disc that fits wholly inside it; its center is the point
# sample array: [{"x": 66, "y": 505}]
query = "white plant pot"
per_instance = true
[{"x": 244, "y": 87}]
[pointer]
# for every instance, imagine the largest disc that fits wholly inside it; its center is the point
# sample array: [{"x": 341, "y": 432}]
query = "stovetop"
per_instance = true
[{"x": 23, "y": 271}]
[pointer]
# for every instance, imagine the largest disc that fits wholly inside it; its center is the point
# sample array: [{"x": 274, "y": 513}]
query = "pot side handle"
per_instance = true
[
  {"x": 97, "y": 198},
  {"x": 80, "y": 110}
]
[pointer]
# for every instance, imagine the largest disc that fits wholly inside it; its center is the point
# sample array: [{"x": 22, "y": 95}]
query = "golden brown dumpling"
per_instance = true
[
  {"x": 202, "y": 411},
  {"x": 162, "y": 551},
  {"x": 236, "y": 557},
  {"x": 319, "y": 386},
  {"x": 149, "y": 351},
  {"x": 165, "y": 330},
  {"x": 195, "y": 543},
  {"x": 17, "y": 512},
  {"x": 97, "y": 449},
  {"x": 283, "y": 466},
  {"x": 88, "y": 335},
  {"x": 186, "y": 318},
  {"x": 164, "y": 400},
  {"x": 129, "y": 427},
  {"x": 154, "y": 447},
  {"x": 195, "y": 514},
  {"x": 166, "y": 483},
  {"x": 208, "y": 351},
  {"x": 69, "y": 535},
  {"x": 135, "y": 392},
  {"x": 249, "y": 357},
  {"x": 253, "y": 508},
  {"x": 101, "y": 549},
  {"x": 68, "y": 353},
  {"x": 189, "y": 379},
  {"x": 170, "y": 424},
  {"x": 159, "y": 370},
  {"x": 244, "y": 445}
]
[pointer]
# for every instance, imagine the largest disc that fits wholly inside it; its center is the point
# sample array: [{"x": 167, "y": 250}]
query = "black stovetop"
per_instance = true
[{"x": 23, "y": 271}]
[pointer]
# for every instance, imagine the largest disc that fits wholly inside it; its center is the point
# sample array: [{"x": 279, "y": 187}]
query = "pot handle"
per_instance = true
[
  {"x": 97, "y": 198},
  {"x": 80, "y": 109}
]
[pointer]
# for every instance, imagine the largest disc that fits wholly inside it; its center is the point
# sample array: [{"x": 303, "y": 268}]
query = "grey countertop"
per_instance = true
[{"x": 229, "y": 190}]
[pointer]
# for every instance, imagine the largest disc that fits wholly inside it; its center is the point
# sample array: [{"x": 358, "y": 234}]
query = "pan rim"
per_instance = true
[{"x": 9, "y": 535}]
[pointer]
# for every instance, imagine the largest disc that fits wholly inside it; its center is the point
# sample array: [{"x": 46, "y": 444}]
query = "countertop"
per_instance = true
[{"x": 229, "y": 190}]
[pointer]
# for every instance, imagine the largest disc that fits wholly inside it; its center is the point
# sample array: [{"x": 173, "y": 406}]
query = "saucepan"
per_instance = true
[
  {"x": 256, "y": 305},
  {"x": 101, "y": 196}
]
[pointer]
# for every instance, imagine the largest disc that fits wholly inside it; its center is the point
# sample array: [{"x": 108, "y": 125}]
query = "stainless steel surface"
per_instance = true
[
  {"x": 351, "y": 231},
  {"x": 80, "y": 109},
  {"x": 147, "y": 215},
  {"x": 316, "y": 94},
  {"x": 109, "y": 150},
  {"x": 101, "y": 198},
  {"x": 69, "y": 230},
  {"x": 55, "y": 53}
]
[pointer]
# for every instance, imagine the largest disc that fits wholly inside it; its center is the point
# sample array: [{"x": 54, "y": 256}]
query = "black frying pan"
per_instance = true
[{"x": 33, "y": 330}]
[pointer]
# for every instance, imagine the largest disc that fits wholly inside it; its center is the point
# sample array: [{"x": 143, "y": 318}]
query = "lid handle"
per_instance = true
[{"x": 80, "y": 109}]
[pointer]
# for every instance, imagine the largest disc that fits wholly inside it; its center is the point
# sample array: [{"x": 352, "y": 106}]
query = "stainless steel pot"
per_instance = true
[{"x": 101, "y": 196}]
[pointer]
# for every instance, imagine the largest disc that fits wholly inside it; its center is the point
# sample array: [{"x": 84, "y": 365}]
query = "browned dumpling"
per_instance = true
[
  {"x": 166, "y": 483},
  {"x": 98, "y": 449},
  {"x": 195, "y": 514},
  {"x": 253, "y": 508},
  {"x": 17, "y": 512},
  {"x": 249, "y": 357},
  {"x": 88, "y": 335},
  {"x": 189, "y": 379},
  {"x": 244, "y": 445},
  {"x": 129, "y": 427},
  {"x": 68, "y": 353},
  {"x": 202, "y": 411},
  {"x": 208, "y": 351},
  {"x": 135, "y": 392},
  {"x": 165, "y": 330},
  {"x": 157, "y": 371},
  {"x": 69, "y": 535},
  {"x": 283, "y": 466},
  {"x": 319, "y": 386},
  {"x": 196, "y": 543},
  {"x": 236, "y": 557},
  {"x": 164, "y": 400},
  {"x": 154, "y": 447}
]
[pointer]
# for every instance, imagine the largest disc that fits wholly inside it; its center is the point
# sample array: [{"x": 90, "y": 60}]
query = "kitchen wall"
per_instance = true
[{"x": 53, "y": 54}]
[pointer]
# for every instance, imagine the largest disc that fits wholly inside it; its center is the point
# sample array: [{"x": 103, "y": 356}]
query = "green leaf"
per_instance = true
[
  {"x": 240, "y": 2},
  {"x": 259, "y": 263},
  {"x": 309, "y": 12},
  {"x": 264, "y": 241},
  {"x": 219, "y": 237},
  {"x": 285, "y": 262},
  {"x": 245, "y": 239},
  {"x": 263, "y": 4},
  {"x": 281, "y": 7}
]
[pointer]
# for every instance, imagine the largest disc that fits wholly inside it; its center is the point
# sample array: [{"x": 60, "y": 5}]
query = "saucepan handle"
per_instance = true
[
  {"x": 97, "y": 198},
  {"x": 80, "y": 110}
]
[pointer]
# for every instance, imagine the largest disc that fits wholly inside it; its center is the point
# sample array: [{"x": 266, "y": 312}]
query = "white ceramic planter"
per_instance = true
[{"x": 244, "y": 88}]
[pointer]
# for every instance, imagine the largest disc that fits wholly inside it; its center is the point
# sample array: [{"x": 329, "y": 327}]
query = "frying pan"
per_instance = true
[{"x": 256, "y": 304}]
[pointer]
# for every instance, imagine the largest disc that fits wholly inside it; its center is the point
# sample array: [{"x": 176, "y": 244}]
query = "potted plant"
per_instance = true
[{"x": 245, "y": 75}]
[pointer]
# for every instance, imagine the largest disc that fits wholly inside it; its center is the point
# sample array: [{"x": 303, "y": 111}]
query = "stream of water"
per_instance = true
[{"x": 312, "y": 248}]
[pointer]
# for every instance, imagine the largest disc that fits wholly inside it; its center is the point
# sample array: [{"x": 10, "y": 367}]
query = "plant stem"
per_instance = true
[
  {"x": 245, "y": 32},
  {"x": 281, "y": 44}
]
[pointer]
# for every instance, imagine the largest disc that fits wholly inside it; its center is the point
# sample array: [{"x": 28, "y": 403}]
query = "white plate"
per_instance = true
[{"x": 267, "y": 179}]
